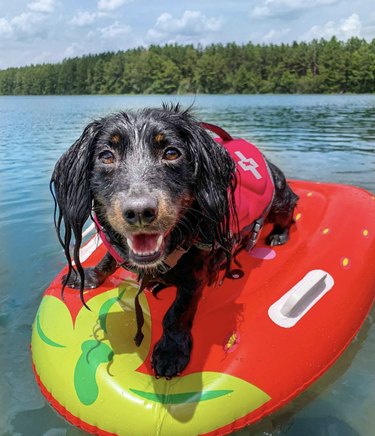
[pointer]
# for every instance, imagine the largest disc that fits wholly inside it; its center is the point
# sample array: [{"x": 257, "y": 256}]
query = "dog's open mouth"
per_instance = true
[{"x": 146, "y": 248}]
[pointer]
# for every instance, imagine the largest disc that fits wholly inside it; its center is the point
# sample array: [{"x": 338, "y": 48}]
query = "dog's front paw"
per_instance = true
[
  {"x": 170, "y": 357},
  {"x": 278, "y": 236},
  {"x": 93, "y": 279},
  {"x": 277, "y": 239}
]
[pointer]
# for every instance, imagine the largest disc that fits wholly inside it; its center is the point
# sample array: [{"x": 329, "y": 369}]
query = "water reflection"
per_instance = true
[{"x": 318, "y": 138}]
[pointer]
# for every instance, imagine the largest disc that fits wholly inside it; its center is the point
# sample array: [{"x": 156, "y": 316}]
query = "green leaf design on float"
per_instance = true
[{"x": 95, "y": 374}]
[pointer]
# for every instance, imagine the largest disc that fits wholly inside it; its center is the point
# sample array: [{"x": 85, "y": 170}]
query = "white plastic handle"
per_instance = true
[{"x": 293, "y": 305}]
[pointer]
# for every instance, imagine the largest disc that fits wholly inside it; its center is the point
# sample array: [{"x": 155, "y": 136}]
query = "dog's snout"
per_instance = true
[{"x": 141, "y": 211}]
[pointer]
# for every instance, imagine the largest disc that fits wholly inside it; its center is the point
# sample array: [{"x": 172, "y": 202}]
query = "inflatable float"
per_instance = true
[{"x": 259, "y": 340}]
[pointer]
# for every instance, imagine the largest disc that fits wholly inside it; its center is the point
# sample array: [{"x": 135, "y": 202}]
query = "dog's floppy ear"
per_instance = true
[
  {"x": 214, "y": 186},
  {"x": 71, "y": 190}
]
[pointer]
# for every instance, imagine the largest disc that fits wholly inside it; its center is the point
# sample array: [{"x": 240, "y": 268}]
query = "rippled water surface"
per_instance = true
[{"x": 325, "y": 138}]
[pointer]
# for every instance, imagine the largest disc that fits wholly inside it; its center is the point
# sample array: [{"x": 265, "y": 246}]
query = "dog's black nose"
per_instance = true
[{"x": 141, "y": 211}]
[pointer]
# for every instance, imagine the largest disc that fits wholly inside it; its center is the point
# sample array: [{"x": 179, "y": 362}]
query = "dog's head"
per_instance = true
[{"x": 155, "y": 178}]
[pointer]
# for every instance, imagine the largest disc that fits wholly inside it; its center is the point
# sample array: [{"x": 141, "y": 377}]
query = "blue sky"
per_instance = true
[{"x": 36, "y": 31}]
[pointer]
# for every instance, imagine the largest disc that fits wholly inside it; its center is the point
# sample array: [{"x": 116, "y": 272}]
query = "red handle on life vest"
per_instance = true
[{"x": 224, "y": 135}]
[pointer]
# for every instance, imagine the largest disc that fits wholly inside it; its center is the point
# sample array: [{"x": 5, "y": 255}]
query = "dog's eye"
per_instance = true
[
  {"x": 107, "y": 157},
  {"x": 171, "y": 153}
]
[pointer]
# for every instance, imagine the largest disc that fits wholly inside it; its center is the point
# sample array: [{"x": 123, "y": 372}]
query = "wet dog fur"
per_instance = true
[{"x": 157, "y": 180}]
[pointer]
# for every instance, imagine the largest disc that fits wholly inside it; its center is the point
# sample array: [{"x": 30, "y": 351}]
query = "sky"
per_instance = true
[{"x": 43, "y": 31}]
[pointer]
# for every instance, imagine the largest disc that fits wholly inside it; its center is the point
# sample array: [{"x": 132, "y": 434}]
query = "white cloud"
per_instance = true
[
  {"x": 6, "y": 30},
  {"x": 22, "y": 26},
  {"x": 110, "y": 5},
  {"x": 191, "y": 25},
  {"x": 83, "y": 19},
  {"x": 191, "y": 22},
  {"x": 351, "y": 26},
  {"x": 115, "y": 30},
  {"x": 42, "y": 6},
  {"x": 72, "y": 50},
  {"x": 29, "y": 28},
  {"x": 275, "y": 35},
  {"x": 28, "y": 25},
  {"x": 26, "y": 22},
  {"x": 43, "y": 57},
  {"x": 279, "y": 8},
  {"x": 260, "y": 12},
  {"x": 345, "y": 29}
]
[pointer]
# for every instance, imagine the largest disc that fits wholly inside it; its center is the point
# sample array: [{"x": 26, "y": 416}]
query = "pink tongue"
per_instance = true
[{"x": 145, "y": 243}]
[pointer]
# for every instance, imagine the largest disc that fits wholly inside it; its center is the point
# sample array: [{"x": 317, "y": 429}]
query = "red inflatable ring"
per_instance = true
[{"x": 259, "y": 340}]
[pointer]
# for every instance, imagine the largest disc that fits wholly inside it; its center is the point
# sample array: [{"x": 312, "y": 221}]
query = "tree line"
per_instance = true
[{"x": 320, "y": 66}]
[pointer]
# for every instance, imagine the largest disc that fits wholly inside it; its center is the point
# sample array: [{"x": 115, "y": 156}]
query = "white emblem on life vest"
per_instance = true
[{"x": 248, "y": 164}]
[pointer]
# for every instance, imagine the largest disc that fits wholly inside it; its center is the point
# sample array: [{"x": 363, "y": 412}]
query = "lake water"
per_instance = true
[{"x": 325, "y": 138}]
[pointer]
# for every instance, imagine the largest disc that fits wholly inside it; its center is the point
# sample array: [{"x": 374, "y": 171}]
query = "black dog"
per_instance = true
[{"x": 162, "y": 191}]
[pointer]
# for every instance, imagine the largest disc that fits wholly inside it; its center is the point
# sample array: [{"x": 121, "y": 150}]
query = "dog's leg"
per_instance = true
[
  {"x": 172, "y": 353},
  {"x": 94, "y": 276},
  {"x": 281, "y": 213}
]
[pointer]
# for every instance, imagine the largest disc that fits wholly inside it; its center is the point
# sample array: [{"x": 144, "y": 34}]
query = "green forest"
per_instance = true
[{"x": 320, "y": 66}]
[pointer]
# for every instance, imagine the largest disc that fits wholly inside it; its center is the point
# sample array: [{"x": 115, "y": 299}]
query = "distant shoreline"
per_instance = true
[{"x": 318, "y": 67}]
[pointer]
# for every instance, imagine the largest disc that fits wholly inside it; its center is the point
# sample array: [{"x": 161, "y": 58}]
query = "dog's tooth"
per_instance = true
[{"x": 159, "y": 242}]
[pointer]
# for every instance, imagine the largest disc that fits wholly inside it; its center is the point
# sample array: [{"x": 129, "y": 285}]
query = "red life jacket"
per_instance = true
[{"x": 255, "y": 188}]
